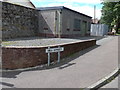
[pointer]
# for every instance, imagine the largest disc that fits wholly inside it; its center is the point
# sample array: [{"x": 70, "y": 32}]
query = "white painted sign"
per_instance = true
[{"x": 51, "y": 50}]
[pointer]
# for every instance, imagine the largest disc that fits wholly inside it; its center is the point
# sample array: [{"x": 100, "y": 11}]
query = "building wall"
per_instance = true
[
  {"x": 18, "y": 21},
  {"x": 25, "y": 3},
  {"x": 57, "y": 23},
  {"x": 0, "y": 22},
  {"x": 47, "y": 23},
  {"x": 68, "y": 18}
]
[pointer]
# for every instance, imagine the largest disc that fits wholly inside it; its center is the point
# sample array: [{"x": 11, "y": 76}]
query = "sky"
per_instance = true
[{"x": 82, "y": 6}]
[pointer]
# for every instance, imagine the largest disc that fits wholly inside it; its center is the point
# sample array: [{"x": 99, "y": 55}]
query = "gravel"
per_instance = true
[{"x": 37, "y": 41}]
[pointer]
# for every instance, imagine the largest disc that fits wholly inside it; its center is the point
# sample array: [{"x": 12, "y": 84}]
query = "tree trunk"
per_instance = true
[
  {"x": 117, "y": 25},
  {"x": 117, "y": 28}
]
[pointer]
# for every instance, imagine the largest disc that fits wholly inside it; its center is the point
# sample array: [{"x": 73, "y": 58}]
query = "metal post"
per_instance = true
[
  {"x": 94, "y": 14},
  {"x": 48, "y": 57},
  {"x": 58, "y": 55}
]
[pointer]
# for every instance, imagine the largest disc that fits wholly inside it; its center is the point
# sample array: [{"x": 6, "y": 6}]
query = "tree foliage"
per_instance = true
[{"x": 111, "y": 14}]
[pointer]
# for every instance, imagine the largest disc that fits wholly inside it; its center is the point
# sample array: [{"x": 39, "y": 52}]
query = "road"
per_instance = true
[{"x": 78, "y": 71}]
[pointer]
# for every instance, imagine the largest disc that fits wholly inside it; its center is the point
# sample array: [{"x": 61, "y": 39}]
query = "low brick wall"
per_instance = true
[{"x": 23, "y": 57}]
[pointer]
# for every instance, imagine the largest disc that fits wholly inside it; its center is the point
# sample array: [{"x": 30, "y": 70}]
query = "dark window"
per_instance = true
[
  {"x": 68, "y": 29},
  {"x": 45, "y": 28},
  {"x": 84, "y": 25},
  {"x": 77, "y": 25},
  {"x": 89, "y": 26}
]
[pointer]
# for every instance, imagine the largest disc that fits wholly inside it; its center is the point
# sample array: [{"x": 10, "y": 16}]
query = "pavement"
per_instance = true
[
  {"x": 102, "y": 84},
  {"x": 78, "y": 71}
]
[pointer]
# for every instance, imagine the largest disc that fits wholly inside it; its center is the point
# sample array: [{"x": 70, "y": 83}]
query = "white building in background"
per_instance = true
[
  {"x": 99, "y": 30},
  {"x": 26, "y": 3}
]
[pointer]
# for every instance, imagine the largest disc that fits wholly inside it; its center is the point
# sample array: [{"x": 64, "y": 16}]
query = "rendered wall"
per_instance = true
[
  {"x": 47, "y": 23},
  {"x": 68, "y": 24},
  {"x": 57, "y": 23}
]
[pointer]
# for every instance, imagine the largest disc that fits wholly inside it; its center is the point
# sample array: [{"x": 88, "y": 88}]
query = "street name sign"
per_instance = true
[{"x": 52, "y": 50}]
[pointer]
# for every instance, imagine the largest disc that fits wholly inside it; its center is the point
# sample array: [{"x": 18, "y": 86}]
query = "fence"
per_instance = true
[{"x": 99, "y": 30}]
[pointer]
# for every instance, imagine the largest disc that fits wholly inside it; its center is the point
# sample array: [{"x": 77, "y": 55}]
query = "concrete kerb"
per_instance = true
[
  {"x": 105, "y": 80},
  {"x": 29, "y": 68}
]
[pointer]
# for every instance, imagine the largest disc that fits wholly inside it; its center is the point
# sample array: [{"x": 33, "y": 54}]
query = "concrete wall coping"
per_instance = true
[{"x": 46, "y": 45}]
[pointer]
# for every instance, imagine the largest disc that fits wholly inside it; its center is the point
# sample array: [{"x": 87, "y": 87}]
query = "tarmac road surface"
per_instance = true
[{"x": 79, "y": 71}]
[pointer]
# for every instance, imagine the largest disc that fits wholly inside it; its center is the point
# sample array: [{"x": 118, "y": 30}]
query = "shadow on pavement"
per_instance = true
[
  {"x": 64, "y": 63},
  {"x": 11, "y": 74},
  {"x": 65, "y": 66},
  {"x": 7, "y": 84}
]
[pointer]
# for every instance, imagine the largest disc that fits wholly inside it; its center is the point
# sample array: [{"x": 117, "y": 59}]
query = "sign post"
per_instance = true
[
  {"x": 52, "y": 50},
  {"x": 58, "y": 55},
  {"x": 48, "y": 57}
]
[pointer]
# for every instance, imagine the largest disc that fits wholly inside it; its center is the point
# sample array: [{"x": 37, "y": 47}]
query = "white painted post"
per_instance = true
[
  {"x": 48, "y": 57},
  {"x": 58, "y": 55}
]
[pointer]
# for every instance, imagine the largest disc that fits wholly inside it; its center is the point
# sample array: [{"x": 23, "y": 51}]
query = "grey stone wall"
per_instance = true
[
  {"x": 18, "y": 21},
  {"x": 0, "y": 22}
]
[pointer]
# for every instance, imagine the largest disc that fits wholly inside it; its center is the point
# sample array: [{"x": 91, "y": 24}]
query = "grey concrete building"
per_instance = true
[{"x": 63, "y": 22}]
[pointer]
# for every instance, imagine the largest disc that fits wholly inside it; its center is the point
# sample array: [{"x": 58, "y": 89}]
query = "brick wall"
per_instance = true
[
  {"x": 23, "y": 57},
  {"x": 18, "y": 21}
]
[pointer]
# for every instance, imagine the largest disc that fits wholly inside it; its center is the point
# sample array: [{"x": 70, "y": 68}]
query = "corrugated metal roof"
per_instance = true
[{"x": 60, "y": 7}]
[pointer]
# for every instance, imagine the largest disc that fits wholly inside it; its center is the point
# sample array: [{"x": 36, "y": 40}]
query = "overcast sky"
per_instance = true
[{"x": 83, "y": 6}]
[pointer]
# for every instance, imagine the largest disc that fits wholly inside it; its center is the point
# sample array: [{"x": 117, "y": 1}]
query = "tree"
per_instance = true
[{"x": 111, "y": 14}]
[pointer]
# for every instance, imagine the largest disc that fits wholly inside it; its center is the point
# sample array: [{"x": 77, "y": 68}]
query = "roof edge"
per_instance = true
[{"x": 60, "y": 7}]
